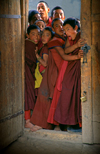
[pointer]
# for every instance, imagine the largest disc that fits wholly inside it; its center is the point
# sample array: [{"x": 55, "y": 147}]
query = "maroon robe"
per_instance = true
[
  {"x": 30, "y": 65},
  {"x": 45, "y": 93},
  {"x": 42, "y": 50},
  {"x": 68, "y": 110},
  {"x": 49, "y": 22}
]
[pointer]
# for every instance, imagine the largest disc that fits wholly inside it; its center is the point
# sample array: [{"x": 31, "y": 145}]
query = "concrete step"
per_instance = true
[{"x": 54, "y": 135}]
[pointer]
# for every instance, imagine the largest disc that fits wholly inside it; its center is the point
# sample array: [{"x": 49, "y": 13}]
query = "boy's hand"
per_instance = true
[
  {"x": 80, "y": 54},
  {"x": 81, "y": 42},
  {"x": 36, "y": 50}
]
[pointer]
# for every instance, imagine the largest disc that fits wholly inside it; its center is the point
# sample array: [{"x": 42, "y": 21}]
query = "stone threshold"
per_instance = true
[{"x": 72, "y": 137}]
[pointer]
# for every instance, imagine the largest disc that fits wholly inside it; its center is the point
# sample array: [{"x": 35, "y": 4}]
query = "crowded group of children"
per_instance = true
[{"x": 52, "y": 70}]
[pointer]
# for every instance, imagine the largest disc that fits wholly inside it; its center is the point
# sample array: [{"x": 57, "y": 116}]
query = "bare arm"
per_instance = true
[
  {"x": 69, "y": 57},
  {"x": 42, "y": 61},
  {"x": 69, "y": 49}
]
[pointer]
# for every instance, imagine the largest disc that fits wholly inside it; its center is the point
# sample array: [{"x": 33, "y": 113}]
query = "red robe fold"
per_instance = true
[
  {"x": 57, "y": 92},
  {"x": 49, "y": 23},
  {"x": 68, "y": 110},
  {"x": 46, "y": 90},
  {"x": 30, "y": 65}
]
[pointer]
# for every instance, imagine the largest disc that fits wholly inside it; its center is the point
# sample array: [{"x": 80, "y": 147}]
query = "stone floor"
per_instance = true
[{"x": 50, "y": 142}]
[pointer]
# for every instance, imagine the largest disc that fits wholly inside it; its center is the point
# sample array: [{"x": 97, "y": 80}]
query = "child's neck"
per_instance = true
[
  {"x": 32, "y": 41},
  {"x": 45, "y": 19},
  {"x": 75, "y": 36},
  {"x": 61, "y": 36}
]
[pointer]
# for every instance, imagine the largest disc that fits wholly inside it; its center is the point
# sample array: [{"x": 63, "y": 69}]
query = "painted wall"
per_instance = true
[{"x": 71, "y": 7}]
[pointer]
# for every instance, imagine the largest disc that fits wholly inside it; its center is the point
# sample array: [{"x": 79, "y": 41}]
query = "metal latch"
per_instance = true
[
  {"x": 85, "y": 49},
  {"x": 84, "y": 98}
]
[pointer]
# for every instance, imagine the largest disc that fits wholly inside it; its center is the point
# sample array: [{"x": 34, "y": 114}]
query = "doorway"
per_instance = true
[{"x": 12, "y": 70}]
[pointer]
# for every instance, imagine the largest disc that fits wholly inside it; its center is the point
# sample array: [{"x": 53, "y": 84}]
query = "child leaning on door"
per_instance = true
[
  {"x": 33, "y": 37},
  {"x": 30, "y": 65}
]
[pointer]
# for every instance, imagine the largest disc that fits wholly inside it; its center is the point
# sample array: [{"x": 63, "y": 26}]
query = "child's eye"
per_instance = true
[
  {"x": 42, "y": 7},
  {"x": 32, "y": 34}
]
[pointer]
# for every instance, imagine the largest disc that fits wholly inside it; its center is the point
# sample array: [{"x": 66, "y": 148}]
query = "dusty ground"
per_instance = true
[{"x": 50, "y": 142}]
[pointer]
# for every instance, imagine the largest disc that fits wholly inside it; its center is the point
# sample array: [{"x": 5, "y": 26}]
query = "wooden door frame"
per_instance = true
[{"x": 86, "y": 74}]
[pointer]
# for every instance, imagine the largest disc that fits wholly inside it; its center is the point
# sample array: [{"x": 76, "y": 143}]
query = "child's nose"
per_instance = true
[
  {"x": 40, "y": 9},
  {"x": 61, "y": 26},
  {"x": 38, "y": 18},
  {"x": 44, "y": 36},
  {"x": 59, "y": 16},
  {"x": 66, "y": 32},
  {"x": 40, "y": 26},
  {"x": 36, "y": 36}
]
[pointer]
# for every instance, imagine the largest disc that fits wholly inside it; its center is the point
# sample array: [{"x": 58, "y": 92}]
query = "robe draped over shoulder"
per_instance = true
[{"x": 68, "y": 110}]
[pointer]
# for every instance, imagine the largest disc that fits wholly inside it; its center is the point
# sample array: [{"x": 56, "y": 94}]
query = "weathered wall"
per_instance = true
[{"x": 71, "y": 7}]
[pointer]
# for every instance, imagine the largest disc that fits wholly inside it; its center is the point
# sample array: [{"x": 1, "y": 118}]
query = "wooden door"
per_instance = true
[
  {"x": 90, "y": 27},
  {"x": 11, "y": 70}
]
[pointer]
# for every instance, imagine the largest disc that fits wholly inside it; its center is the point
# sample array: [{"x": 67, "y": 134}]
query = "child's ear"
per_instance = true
[
  {"x": 48, "y": 10},
  {"x": 64, "y": 18},
  {"x": 76, "y": 27},
  {"x": 27, "y": 35},
  {"x": 51, "y": 18}
]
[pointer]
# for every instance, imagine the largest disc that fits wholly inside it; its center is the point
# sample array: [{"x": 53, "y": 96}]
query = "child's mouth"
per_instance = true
[
  {"x": 69, "y": 37},
  {"x": 36, "y": 41}
]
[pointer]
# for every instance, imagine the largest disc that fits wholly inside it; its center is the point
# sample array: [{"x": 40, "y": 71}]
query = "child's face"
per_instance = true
[
  {"x": 41, "y": 25},
  {"x": 43, "y": 9},
  {"x": 58, "y": 14},
  {"x": 34, "y": 35},
  {"x": 34, "y": 18},
  {"x": 70, "y": 32},
  {"x": 58, "y": 27},
  {"x": 46, "y": 36}
]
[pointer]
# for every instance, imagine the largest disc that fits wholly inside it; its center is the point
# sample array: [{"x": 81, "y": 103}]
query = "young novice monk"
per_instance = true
[
  {"x": 57, "y": 12},
  {"x": 33, "y": 35},
  {"x": 58, "y": 89},
  {"x": 42, "y": 106},
  {"x": 33, "y": 15},
  {"x": 68, "y": 110},
  {"x": 41, "y": 24},
  {"x": 43, "y": 9},
  {"x": 40, "y": 114},
  {"x": 42, "y": 54}
]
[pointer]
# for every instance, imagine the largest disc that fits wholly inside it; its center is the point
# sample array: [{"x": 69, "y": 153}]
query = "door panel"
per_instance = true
[
  {"x": 11, "y": 103},
  {"x": 96, "y": 69},
  {"x": 87, "y": 129},
  {"x": 90, "y": 71}
]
